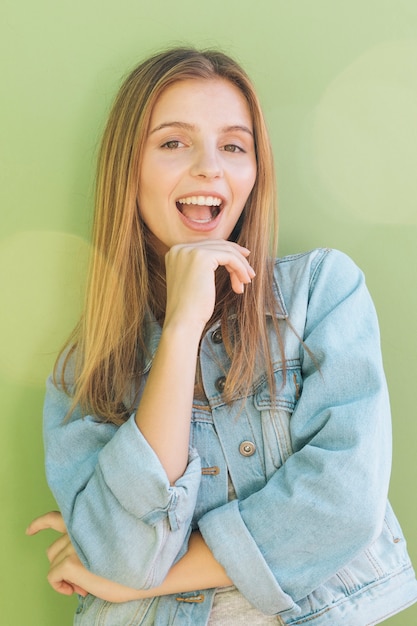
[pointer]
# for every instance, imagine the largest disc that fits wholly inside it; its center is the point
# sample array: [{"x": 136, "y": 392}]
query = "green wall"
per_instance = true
[{"x": 338, "y": 81}]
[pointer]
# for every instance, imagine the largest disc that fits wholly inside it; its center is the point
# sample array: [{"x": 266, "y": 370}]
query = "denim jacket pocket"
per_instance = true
[
  {"x": 384, "y": 559},
  {"x": 385, "y": 556},
  {"x": 276, "y": 413}
]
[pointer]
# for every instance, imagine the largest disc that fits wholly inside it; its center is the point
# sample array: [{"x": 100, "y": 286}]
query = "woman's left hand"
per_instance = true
[{"x": 66, "y": 572}]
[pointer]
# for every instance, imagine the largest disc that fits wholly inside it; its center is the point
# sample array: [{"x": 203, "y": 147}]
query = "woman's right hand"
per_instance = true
[
  {"x": 67, "y": 575},
  {"x": 190, "y": 276},
  {"x": 66, "y": 569}
]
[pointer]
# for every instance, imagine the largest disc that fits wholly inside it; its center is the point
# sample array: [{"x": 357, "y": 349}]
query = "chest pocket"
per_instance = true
[{"x": 276, "y": 414}]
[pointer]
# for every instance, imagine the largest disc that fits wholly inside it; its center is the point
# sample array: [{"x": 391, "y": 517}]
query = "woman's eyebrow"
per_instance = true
[
  {"x": 183, "y": 125},
  {"x": 192, "y": 127},
  {"x": 237, "y": 127}
]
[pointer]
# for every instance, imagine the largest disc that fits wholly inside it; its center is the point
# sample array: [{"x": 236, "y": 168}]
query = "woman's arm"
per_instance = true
[
  {"x": 197, "y": 569},
  {"x": 143, "y": 471},
  {"x": 327, "y": 502},
  {"x": 163, "y": 415}
]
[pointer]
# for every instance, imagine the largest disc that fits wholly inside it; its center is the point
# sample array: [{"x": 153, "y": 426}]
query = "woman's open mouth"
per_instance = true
[{"x": 200, "y": 209}]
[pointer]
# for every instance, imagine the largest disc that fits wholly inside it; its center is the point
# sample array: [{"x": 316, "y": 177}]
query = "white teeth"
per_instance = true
[{"x": 201, "y": 200}]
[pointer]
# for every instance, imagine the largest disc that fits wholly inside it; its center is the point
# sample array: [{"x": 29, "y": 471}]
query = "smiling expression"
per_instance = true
[{"x": 198, "y": 163}]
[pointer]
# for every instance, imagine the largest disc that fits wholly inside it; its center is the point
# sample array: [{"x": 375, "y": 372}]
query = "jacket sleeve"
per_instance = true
[
  {"x": 127, "y": 523},
  {"x": 327, "y": 501}
]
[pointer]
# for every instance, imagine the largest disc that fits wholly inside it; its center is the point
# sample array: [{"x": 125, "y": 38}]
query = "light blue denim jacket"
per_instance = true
[{"x": 311, "y": 536}]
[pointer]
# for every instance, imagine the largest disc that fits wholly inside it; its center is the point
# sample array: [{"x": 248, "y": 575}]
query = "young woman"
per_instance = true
[{"x": 217, "y": 429}]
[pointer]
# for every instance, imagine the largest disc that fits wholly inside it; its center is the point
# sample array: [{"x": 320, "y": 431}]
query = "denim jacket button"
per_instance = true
[
  {"x": 247, "y": 448},
  {"x": 220, "y": 383},
  {"x": 216, "y": 336}
]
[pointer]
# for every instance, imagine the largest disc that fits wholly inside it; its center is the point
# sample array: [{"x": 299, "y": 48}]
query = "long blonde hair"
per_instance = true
[{"x": 125, "y": 281}]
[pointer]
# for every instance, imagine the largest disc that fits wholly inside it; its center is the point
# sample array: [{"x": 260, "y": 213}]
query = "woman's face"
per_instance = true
[{"x": 198, "y": 164}]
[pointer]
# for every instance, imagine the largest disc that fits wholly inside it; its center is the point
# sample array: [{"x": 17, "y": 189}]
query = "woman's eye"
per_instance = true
[
  {"x": 173, "y": 144},
  {"x": 231, "y": 147}
]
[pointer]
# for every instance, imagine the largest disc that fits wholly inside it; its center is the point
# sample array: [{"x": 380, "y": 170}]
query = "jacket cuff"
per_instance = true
[
  {"x": 245, "y": 565},
  {"x": 122, "y": 462}
]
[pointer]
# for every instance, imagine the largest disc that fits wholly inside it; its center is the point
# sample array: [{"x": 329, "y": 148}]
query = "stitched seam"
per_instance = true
[
  {"x": 316, "y": 269},
  {"x": 395, "y": 538},
  {"x": 141, "y": 611},
  {"x": 374, "y": 563},
  {"x": 398, "y": 610},
  {"x": 372, "y": 585}
]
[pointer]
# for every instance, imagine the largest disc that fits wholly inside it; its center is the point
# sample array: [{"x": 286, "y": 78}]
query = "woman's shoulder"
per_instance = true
[
  {"x": 314, "y": 258},
  {"x": 326, "y": 272},
  {"x": 310, "y": 264}
]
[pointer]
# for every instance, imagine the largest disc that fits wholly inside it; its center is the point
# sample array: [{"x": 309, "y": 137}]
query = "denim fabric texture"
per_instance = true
[{"x": 311, "y": 537}]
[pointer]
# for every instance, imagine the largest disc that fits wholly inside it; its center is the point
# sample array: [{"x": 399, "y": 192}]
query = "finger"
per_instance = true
[
  {"x": 62, "y": 586},
  {"x": 237, "y": 285},
  {"x": 211, "y": 244},
  {"x": 52, "y": 520},
  {"x": 241, "y": 255},
  {"x": 59, "y": 578},
  {"x": 219, "y": 246},
  {"x": 63, "y": 572},
  {"x": 81, "y": 592},
  {"x": 240, "y": 275},
  {"x": 241, "y": 249},
  {"x": 231, "y": 244},
  {"x": 58, "y": 548},
  {"x": 230, "y": 257}
]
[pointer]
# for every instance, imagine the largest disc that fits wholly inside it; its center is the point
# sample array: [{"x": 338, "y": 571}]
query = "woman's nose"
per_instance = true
[{"x": 207, "y": 163}]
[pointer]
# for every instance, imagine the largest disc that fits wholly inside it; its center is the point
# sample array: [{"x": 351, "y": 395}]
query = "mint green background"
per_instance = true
[{"x": 338, "y": 81}]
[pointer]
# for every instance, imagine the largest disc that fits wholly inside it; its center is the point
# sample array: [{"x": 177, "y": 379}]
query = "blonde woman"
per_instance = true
[{"x": 217, "y": 428}]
